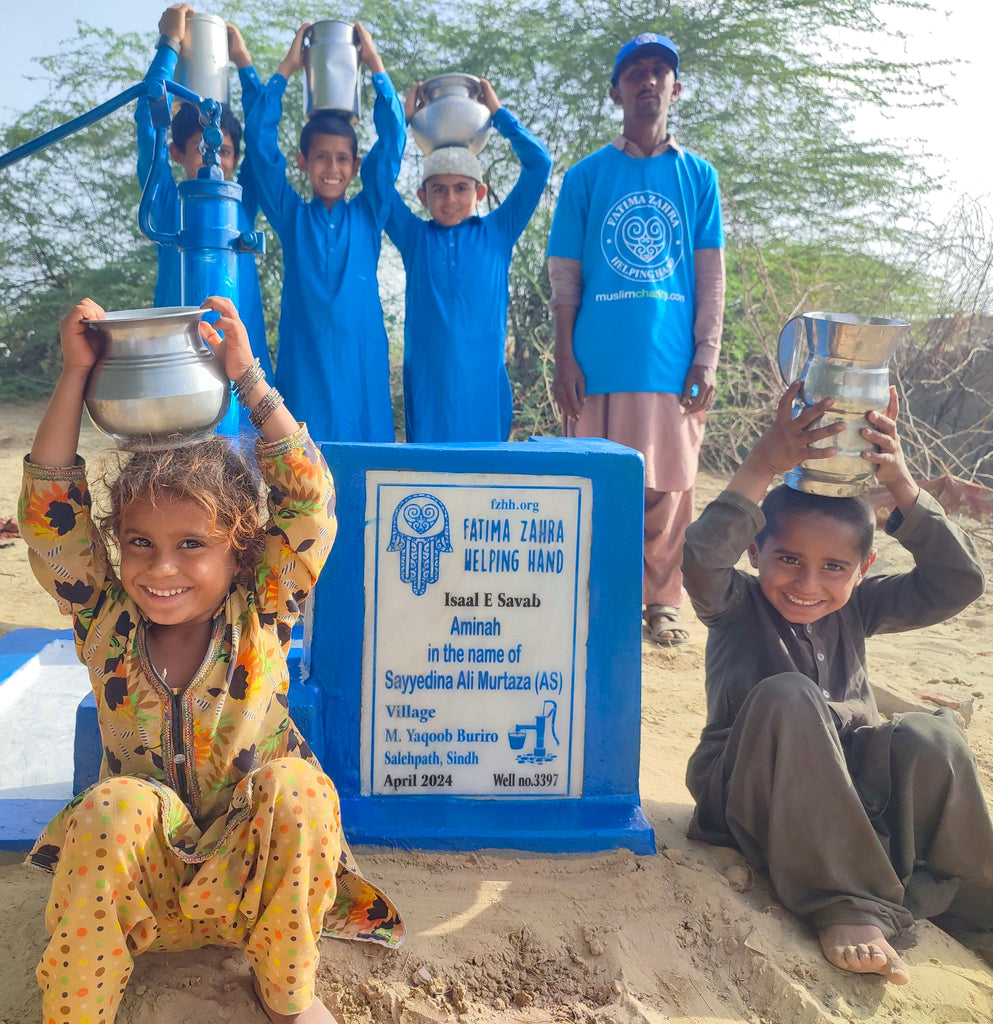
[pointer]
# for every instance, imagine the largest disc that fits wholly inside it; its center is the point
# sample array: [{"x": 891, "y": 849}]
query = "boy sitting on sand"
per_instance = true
[{"x": 863, "y": 824}]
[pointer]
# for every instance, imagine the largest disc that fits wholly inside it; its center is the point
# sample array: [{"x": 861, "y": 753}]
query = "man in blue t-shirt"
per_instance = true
[{"x": 636, "y": 264}]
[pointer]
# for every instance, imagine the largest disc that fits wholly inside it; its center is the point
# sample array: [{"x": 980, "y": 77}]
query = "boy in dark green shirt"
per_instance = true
[{"x": 863, "y": 824}]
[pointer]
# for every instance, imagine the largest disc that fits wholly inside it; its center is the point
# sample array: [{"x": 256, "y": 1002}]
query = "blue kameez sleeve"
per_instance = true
[
  {"x": 402, "y": 223},
  {"x": 515, "y": 211},
  {"x": 276, "y": 196},
  {"x": 381, "y": 164},
  {"x": 163, "y": 67},
  {"x": 567, "y": 237},
  {"x": 251, "y": 89}
]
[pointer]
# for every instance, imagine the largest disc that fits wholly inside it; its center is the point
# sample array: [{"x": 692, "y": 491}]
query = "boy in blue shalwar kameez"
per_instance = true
[
  {"x": 333, "y": 360},
  {"x": 455, "y": 382},
  {"x": 185, "y": 150}
]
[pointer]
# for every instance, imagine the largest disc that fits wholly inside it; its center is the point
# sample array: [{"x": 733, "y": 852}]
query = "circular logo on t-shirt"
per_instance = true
[{"x": 642, "y": 237}]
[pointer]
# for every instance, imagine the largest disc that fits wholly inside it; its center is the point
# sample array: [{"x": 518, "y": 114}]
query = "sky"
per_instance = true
[{"x": 954, "y": 140}]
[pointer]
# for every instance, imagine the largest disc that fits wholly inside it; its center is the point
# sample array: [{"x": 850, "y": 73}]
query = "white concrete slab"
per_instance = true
[{"x": 37, "y": 724}]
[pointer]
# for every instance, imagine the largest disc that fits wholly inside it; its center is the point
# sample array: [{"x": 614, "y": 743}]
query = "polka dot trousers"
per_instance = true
[{"x": 120, "y": 889}]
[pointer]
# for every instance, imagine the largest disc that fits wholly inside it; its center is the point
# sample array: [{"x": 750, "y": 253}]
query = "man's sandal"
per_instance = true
[{"x": 662, "y": 619}]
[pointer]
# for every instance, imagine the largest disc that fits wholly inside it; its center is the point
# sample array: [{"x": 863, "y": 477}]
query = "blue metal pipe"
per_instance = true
[
  {"x": 208, "y": 238},
  {"x": 150, "y": 191},
  {"x": 92, "y": 116}
]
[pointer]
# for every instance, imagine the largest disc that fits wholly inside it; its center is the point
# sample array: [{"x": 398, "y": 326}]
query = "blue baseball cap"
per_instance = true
[{"x": 646, "y": 41}]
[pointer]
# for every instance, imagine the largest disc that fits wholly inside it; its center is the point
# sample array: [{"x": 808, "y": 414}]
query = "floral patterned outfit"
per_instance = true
[{"x": 212, "y": 822}]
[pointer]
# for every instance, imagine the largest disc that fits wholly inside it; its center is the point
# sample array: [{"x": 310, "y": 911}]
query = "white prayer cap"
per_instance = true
[{"x": 452, "y": 160}]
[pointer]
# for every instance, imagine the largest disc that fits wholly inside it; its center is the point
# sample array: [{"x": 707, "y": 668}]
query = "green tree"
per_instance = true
[{"x": 760, "y": 101}]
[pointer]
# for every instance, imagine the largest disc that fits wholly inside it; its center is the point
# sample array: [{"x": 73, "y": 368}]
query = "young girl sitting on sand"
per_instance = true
[{"x": 212, "y": 823}]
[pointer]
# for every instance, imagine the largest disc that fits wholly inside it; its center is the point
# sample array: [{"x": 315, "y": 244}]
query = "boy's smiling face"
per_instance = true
[
  {"x": 451, "y": 198},
  {"x": 191, "y": 160},
  {"x": 331, "y": 164},
  {"x": 810, "y": 566}
]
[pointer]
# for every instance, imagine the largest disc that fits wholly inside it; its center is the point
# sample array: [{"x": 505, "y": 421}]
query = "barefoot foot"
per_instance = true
[
  {"x": 316, "y": 1013},
  {"x": 862, "y": 949}
]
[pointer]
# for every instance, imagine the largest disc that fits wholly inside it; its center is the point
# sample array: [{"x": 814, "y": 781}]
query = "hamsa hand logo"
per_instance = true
[
  {"x": 644, "y": 238},
  {"x": 420, "y": 532}
]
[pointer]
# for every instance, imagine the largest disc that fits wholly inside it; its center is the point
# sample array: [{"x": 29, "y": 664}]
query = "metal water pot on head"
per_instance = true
[
  {"x": 845, "y": 357},
  {"x": 331, "y": 79},
  {"x": 452, "y": 114},
  {"x": 156, "y": 383},
  {"x": 204, "y": 57}
]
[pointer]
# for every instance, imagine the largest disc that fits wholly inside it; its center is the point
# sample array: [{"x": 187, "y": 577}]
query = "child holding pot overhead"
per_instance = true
[
  {"x": 455, "y": 383},
  {"x": 333, "y": 359},
  {"x": 863, "y": 824},
  {"x": 212, "y": 822},
  {"x": 184, "y": 149}
]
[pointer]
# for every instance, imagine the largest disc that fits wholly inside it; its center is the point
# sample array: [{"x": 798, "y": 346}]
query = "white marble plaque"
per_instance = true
[{"x": 474, "y": 655}]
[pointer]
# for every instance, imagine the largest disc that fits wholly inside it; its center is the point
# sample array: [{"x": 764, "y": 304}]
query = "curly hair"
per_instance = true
[{"x": 215, "y": 475}]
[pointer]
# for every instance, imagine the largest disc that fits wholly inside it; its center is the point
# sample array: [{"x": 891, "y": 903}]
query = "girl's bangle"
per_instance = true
[
  {"x": 267, "y": 405},
  {"x": 244, "y": 384}
]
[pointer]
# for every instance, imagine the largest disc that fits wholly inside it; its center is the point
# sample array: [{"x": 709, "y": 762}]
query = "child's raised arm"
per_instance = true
[
  {"x": 57, "y": 439},
  {"x": 381, "y": 165},
  {"x": 785, "y": 444},
  {"x": 293, "y": 61},
  {"x": 234, "y": 353},
  {"x": 237, "y": 49},
  {"x": 888, "y": 462},
  {"x": 368, "y": 54},
  {"x": 516, "y": 209}
]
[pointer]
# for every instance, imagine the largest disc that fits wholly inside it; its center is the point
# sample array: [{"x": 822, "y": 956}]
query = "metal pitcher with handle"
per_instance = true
[
  {"x": 331, "y": 80},
  {"x": 203, "y": 58},
  {"x": 155, "y": 384},
  {"x": 845, "y": 357}
]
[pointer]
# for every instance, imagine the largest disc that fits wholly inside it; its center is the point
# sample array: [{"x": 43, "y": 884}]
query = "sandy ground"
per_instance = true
[{"x": 688, "y": 936}]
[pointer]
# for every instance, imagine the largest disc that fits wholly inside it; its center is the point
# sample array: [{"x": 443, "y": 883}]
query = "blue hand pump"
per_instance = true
[{"x": 208, "y": 238}]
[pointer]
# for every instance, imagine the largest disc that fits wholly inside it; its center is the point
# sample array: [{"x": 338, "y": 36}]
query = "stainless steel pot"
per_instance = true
[
  {"x": 331, "y": 80},
  {"x": 844, "y": 357},
  {"x": 203, "y": 59},
  {"x": 155, "y": 384},
  {"x": 452, "y": 114}
]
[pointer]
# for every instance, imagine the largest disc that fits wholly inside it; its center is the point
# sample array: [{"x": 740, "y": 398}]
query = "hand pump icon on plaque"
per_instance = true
[{"x": 518, "y": 735}]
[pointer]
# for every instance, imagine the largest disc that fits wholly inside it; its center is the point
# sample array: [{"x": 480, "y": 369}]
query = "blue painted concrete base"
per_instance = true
[
  {"x": 19, "y": 646},
  {"x": 22, "y": 821},
  {"x": 576, "y": 826},
  {"x": 590, "y": 827},
  {"x": 607, "y": 815}
]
